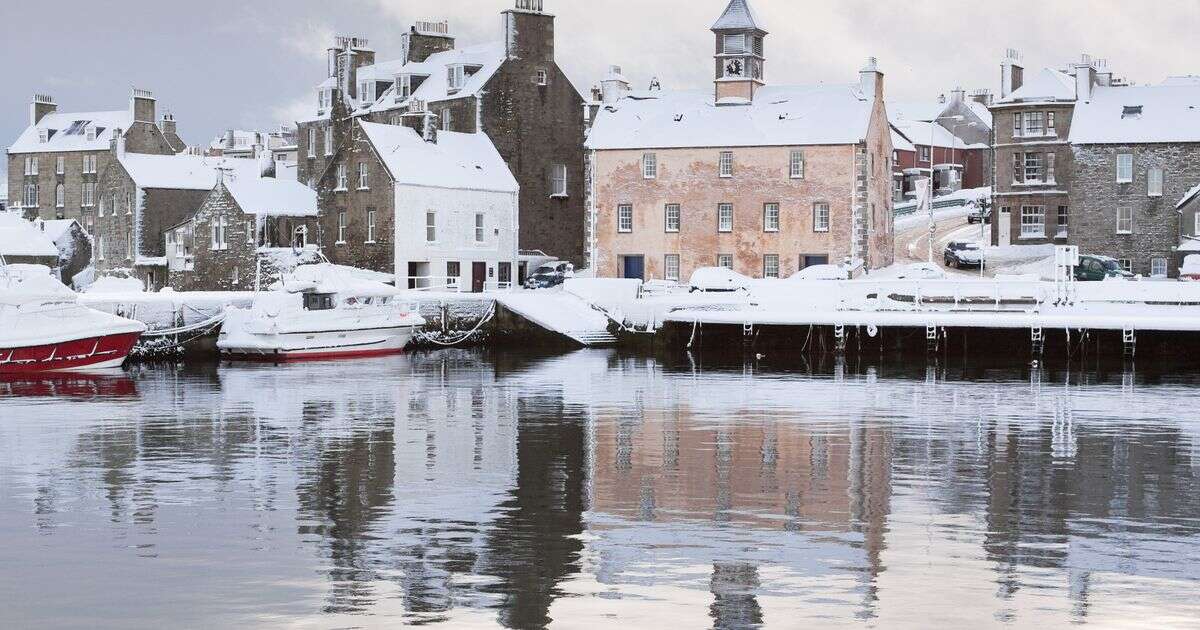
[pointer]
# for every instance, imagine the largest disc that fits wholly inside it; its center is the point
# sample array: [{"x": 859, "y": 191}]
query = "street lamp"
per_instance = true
[{"x": 929, "y": 199}]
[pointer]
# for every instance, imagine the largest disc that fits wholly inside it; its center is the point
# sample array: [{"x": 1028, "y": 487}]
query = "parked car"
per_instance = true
[
  {"x": 821, "y": 272},
  {"x": 1190, "y": 271},
  {"x": 718, "y": 279},
  {"x": 959, "y": 254},
  {"x": 979, "y": 215},
  {"x": 1098, "y": 268},
  {"x": 550, "y": 275}
]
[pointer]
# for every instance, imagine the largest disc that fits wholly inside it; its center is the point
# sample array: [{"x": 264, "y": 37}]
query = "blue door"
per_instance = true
[{"x": 635, "y": 267}]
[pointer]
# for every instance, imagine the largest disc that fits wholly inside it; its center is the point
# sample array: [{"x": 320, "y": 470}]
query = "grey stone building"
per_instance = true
[
  {"x": 1189, "y": 224},
  {"x": 55, "y": 165},
  {"x": 511, "y": 89},
  {"x": 1136, "y": 154}
]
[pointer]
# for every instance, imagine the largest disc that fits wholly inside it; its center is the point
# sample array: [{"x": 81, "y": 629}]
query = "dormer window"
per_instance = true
[
  {"x": 90, "y": 133},
  {"x": 735, "y": 44},
  {"x": 456, "y": 77},
  {"x": 43, "y": 136},
  {"x": 1131, "y": 111},
  {"x": 403, "y": 87},
  {"x": 542, "y": 78}
]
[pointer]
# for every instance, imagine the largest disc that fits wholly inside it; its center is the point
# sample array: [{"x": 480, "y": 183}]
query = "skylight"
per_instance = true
[{"x": 1132, "y": 111}]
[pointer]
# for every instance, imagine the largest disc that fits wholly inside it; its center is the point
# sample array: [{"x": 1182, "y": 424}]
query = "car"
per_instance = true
[
  {"x": 1190, "y": 271},
  {"x": 959, "y": 254},
  {"x": 821, "y": 272},
  {"x": 717, "y": 280},
  {"x": 979, "y": 215},
  {"x": 1098, "y": 268},
  {"x": 550, "y": 275}
]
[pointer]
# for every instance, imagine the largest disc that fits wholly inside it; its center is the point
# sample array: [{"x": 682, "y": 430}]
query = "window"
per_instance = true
[
  {"x": 649, "y": 166},
  {"x": 89, "y": 164},
  {"x": 447, "y": 119},
  {"x": 1017, "y": 124},
  {"x": 100, "y": 213},
  {"x": 30, "y": 198},
  {"x": 1035, "y": 123},
  {"x": 558, "y": 180},
  {"x": 60, "y": 165},
  {"x": 342, "y": 225},
  {"x": 431, "y": 227},
  {"x": 771, "y": 217},
  {"x": 1051, "y": 175},
  {"x": 329, "y": 140},
  {"x": 342, "y": 182},
  {"x": 453, "y": 273},
  {"x": 1033, "y": 221},
  {"x": 479, "y": 232},
  {"x": 1154, "y": 182},
  {"x": 1131, "y": 111},
  {"x": 726, "y": 163},
  {"x": 625, "y": 218},
  {"x": 1125, "y": 220},
  {"x": 1124, "y": 168},
  {"x": 234, "y": 277},
  {"x": 60, "y": 196},
  {"x": 725, "y": 217},
  {"x": 217, "y": 239},
  {"x": 129, "y": 202},
  {"x": 771, "y": 266},
  {"x": 362, "y": 176},
  {"x": 671, "y": 267},
  {"x": 251, "y": 232},
  {"x": 1126, "y": 264},
  {"x": 370, "y": 225},
  {"x": 820, "y": 217},
  {"x": 1050, "y": 126},
  {"x": 542, "y": 77},
  {"x": 1158, "y": 267},
  {"x": 734, "y": 45},
  {"x": 1018, "y": 168},
  {"x": 89, "y": 194},
  {"x": 1033, "y": 168},
  {"x": 99, "y": 247},
  {"x": 456, "y": 76},
  {"x": 925, "y": 155},
  {"x": 31, "y": 166},
  {"x": 672, "y": 217},
  {"x": 312, "y": 142},
  {"x": 725, "y": 261},
  {"x": 1064, "y": 222},
  {"x": 796, "y": 165},
  {"x": 403, "y": 87},
  {"x": 129, "y": 244},
  {"x": 89, "y": 223}
]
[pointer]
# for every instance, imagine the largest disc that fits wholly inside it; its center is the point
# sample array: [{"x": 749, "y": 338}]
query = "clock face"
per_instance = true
[{"x": 734, "y": 68}]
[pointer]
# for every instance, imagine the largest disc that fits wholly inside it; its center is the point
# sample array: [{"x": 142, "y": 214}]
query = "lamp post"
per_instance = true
[{"x": 933, "y": 225}]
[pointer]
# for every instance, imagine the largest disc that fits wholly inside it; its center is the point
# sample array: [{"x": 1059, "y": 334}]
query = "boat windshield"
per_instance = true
[{"x": 318, "y": 301}]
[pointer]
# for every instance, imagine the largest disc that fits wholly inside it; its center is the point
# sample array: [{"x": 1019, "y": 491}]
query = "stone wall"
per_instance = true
[
  {"x": 47, "y": 180},
  {"x": 357, "y": 250},
  {"x": 1096, "y": 196},
  {"x": 1008, "y": 193}
]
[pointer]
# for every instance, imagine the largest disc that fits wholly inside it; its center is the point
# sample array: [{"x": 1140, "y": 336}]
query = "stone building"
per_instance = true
[
  {"x": 1135, "y": 154},
  {"x": 512, "y": 90},
  {"x": 762, "y": 179},
  {"x": 54, "y": 166},
  {"x": 244, "y": 218}
]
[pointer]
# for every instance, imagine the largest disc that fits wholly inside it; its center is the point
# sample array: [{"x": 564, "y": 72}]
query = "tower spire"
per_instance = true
[{"x": 740, "y": 54}]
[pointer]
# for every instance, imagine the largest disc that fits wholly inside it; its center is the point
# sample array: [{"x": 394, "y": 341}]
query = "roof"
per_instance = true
[
  {"x": 1188, "y": 196},
  {"x": 489, "y": 58},
  {"x": 779, "y": 116},
  {"x": 914, "y": 110},
  {"x": 1047, "y": 85},
  {"x": 19, "y": 237},
  {"x": 267, "y": 196},
  {"x": 981, "y": 110},
  {"x": 919, "y": 134},
  {"x": 67, "y": 132},
  {"x": 901, "y": 143},
  {"x": 181, "y": 172},
  {"x": 55, "y": 229},
  {"x": 457, "y": 160},
  {"x": 738, "y": 15},
  {"x": 1169, "y": 113}
]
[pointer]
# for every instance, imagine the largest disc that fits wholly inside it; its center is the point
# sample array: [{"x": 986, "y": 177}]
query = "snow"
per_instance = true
[
  {"x": 557, "y": 311},
  {"x": 113, "y": 284},
  {"x": 900, "y": 143},
  {"x": 59, "y": 123},
  {"x": 1047, "y": 85},
  {"x": 30, "y": 280},
  {"x": 717, "y": 279},
  {"x": 267, "y": 196},
  {"x": 738, "y": 15},
  {"x": 602, "y": 291},
  {"x": 456, "y": 160},
  {"x": 182, "y": 172},
  {"x": 919, "y": 132},
  {"x": 918, "y": 219},
  {"x": 37, "y": 309},
  {"x": 1188, "y": 196},
  {"x": 21, "y": 238},
  {"x": 780, "y": 116},
  {"x": 489, "y": 57},
  {"x": 55, "y": 229},
  {"x": 327, "y": 278},
  {"x": 1170, "y": 113},
  {"x": 1191, "y": 265},
  {"x": 821, "y": 272}
]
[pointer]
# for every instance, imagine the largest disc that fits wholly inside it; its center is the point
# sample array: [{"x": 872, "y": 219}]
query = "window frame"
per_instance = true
[
  {"x": 1027, "y": 230},
  {"x": 724, "y": 218},
  {"x": 343, "y": 178},
  {"x": 1062, "y": 222},
  {"x": 218, "y": 237},
  {"x": 1155, "y": 180},
  {"x": 1154, "y": 262},
  {"x": 725, "y": 164},
  {"x": 669, "y": 261},
  {"x": 1124, "y": 168},
  {"x": 649, "y": 166},
  {"x": 480, "y": 228},
  {"x": 796, "y": 164},
  {"x": 722, "y": 259},
  {"x": 669, "y": 226},
  {"x": 343, "y": 227},
  {"x": 771, "y": 267},
  {"x": 1125, "y": 220},
  {"x": 329, "y": 141},
  {"x": 60, "y": 196},
  {"x": 558, "y": 181},
  {"x": 731, "y": 37},
  {"x": 362, "y": 176},
  {"x": 431, "y": 227},
  {"x": 624, "y": 218},
  {"x": 821, "y": 217},
  {"x": 370, "y": 226},
  {"x": 771, "y": 221}
]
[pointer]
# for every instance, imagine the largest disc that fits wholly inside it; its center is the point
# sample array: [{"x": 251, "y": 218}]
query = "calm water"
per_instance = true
[{"x": 597, "y": 490}]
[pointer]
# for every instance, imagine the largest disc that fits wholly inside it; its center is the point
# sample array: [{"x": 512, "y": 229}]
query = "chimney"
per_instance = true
[
  {"x": 529, "y": 32},
  {"x": 1012, "y": 73},
  {"x": 345, "y": 57},
  {"x": 870, "y": 79},
  {"x": 426, "y": 38},
  {"x": 958, "y": 95},
  {"x": 983, "y": 97},
  {"x": 167, "y": 124},
  {"x": 142, "y": 106},
  {"x": 597, "y": 95},
  {"x": 41, "y": 106},
  {"x": 117, "y": 144},
  {"x": 229, "y": 139},
  {"x": 614, "y": 86},
  {"x": 1085, "y": 78}
]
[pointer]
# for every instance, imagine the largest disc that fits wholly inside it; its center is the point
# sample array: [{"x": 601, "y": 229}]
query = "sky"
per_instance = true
[{"x": 219, "y": 64}]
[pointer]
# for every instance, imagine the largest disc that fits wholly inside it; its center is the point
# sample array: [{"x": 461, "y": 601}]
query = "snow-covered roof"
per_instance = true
[
  {"x": 919, "y": 134},
  {"x": 1168, "y": 113},
  {"x": 456, "y": 160},
  {"x": 487, "y": 57},
  {"x": 55, "y": 229},
  {"x": 738, "y": 15},
  {"x": 68, "y": 132},
  {"x": 779, "y": 116},
  {"x": 242, "y": 139},
  {"x": 981, "y": 110},
  {"x": 900, "y": 143},
  {"x": 267, "y": 196},
  {"x": 1047, "y": 85},
  {"x": 1188, "y": 196},
  {"x": 19, "y": 237},
  {"x": 182, "y": 172},
  {"x": 914, "y": 110}
]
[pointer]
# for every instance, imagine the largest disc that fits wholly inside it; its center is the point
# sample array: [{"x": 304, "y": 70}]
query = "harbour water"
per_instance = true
[{"x": 595, "y": 489}]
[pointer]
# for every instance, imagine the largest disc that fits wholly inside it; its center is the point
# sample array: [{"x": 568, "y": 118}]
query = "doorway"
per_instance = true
[
  {"x": 633, "y": 267},
  {"x": 478, "y": 276},
  {"x": 1004, "y": 227}
]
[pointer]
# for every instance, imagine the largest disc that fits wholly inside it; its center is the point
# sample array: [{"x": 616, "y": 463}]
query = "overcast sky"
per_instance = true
[{"x": 234, "y": 63}]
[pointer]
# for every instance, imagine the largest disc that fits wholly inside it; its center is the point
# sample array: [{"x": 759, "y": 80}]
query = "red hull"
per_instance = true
[
  {"x": 92, "y": 352},
  {"x": 332, "y": 355}
]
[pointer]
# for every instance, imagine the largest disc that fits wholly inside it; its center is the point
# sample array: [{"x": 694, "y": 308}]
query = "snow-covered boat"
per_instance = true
[
  {"x": 320, "y": 312},
  {"x": 44, "y": 328}
]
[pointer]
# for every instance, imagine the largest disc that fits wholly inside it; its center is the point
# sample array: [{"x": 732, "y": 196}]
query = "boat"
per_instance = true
[
  {"x": 44, "y": 328},
  {"x": 320, "y": 312}
]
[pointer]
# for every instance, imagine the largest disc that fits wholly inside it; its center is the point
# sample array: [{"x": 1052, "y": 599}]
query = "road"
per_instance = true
[{"x": 912, "y": 245}]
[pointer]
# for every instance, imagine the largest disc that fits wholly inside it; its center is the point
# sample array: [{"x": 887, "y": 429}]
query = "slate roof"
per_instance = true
[
  {"x": 67, "y": 132},
  {"x": 467, "y": 161},
  {"x": 1168, "y": 113},
  {"x": 739, "y": 15}
]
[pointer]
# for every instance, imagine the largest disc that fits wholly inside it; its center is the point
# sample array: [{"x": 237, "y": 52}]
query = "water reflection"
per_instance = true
[{"x": 598, "y": 489}]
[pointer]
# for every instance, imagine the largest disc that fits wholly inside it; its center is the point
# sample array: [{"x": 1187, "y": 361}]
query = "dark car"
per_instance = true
[
  {"x": 961, "y": 254},
  {"x": 979, "y": 215},
  {"x": 1097, "y": 268},
  {"x": 549, "y": 275}
]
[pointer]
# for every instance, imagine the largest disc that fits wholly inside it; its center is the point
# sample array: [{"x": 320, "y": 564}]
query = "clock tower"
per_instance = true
[{"x": 739, "y": 54}]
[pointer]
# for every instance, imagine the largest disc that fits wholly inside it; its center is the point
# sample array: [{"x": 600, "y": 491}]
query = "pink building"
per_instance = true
[{"x": 762, "y": 179}]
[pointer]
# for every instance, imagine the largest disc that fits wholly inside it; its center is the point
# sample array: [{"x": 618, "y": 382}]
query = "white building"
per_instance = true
[{"x": 456, "y": 212}]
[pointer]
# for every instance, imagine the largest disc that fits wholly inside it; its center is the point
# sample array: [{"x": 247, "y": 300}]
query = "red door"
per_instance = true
[{"x": 478, "y": 276}]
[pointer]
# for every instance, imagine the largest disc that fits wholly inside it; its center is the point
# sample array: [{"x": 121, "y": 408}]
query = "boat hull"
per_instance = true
[
  {"x": 88, "y": 353},
  {"x": 320, "y": 346}
]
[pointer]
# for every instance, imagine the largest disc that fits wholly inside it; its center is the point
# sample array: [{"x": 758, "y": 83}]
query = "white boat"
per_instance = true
[
  {"x": 44, "y": 328},
  {"x": 320, "y": 312}
]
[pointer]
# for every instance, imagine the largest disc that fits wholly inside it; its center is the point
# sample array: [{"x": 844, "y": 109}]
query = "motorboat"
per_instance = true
[
  {"x": 320, "y": 312},
  {"x": 44, "y": 328}
]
